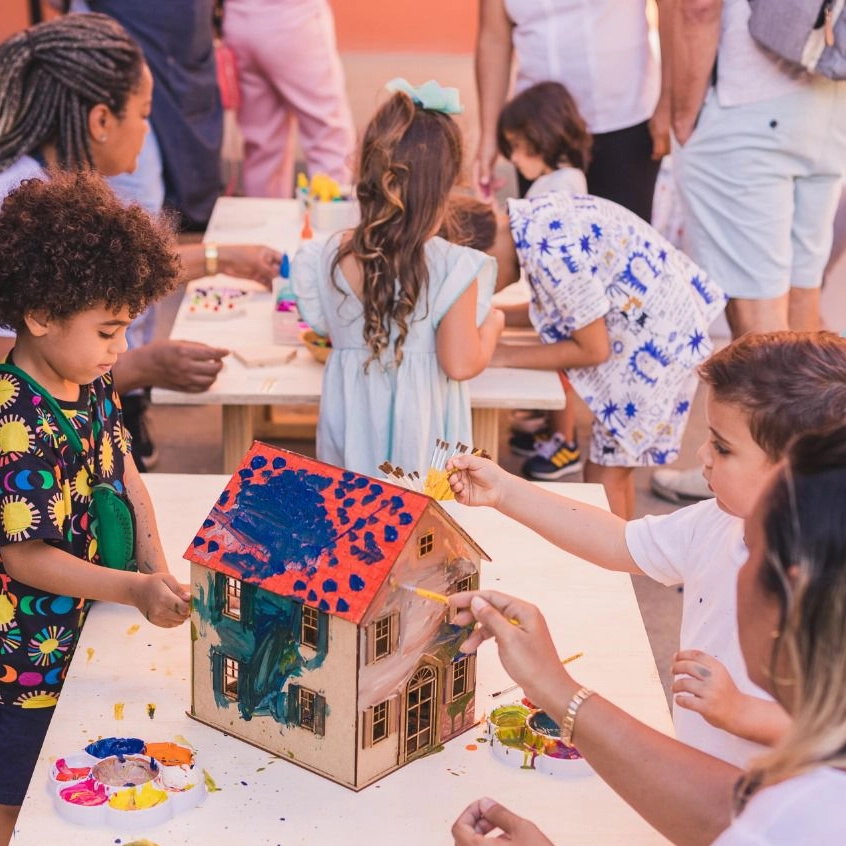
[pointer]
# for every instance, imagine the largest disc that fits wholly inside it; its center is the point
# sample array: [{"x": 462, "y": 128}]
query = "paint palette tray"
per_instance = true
[
  {"x": 527, "y": 738},
  {"x": 121, "y": 782}
]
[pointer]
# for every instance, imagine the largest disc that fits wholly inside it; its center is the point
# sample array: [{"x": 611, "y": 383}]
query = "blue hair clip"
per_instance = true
[{"x": 429, "y": 95}]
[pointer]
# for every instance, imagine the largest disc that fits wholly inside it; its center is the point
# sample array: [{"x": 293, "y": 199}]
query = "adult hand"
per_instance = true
[
  {"x": 181, "y": 365},
  {"x": 704, "y": 685},
  {"x": 250, "y": 261},
  {"x": 485, "y": 816},
  {"x": 162, "y": 599},
  {"x": 525, "y": 646},
  {"x": 483, "y": 171},
  {"x": 476, "y": 481},
  {"x": 659, "y": 128}
]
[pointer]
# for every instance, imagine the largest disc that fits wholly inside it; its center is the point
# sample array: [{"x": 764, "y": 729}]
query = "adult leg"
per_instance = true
[
  {"x": 316, "y": 93},
  {"x": 264, "y": 118},
  {"x": 622, "y": 169},
  {"x": 619, "y": 487},
  {"x": 766, "y": 315}
]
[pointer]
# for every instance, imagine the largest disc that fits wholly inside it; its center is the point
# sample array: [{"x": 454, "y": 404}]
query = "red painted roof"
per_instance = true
[{"x": 301, "y": 528}]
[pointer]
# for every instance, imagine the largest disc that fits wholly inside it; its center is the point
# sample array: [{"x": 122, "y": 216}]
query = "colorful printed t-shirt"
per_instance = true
[
  {"x": 587, "y": 258},
  {"x": 45, "y": 496}
]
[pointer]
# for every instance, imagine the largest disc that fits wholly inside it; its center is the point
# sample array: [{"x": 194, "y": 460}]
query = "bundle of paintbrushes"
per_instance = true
[{"x": 436, "y": 481}]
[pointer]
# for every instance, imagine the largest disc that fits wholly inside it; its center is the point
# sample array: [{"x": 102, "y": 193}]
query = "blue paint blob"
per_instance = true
[
  {"x": 224, "y": 498},
  {"x": 208, "y": 523},
  {"x": 245, "y": 473},
  {"x": 349, "y": 502},
  {"x": 361, "y": 482},
  {"x": 391, "y": 534},
  {"x": 366, "y": 500},
  {"x": 360, "y": 523},
  {"x": 339, "y": 493},
  {"x": 333, "y": 561},
  {"x": 376, "y": 489},
  {"x": 330, "y": 586},
  {"x": 214, "y": 546},
  {"x": 348, "y": 475},
  {"x": 342, "y": 605},
  {"x": 258, "y": 461},
  {"x": 405, "y": 519},
  {"x": 356, "y": 582},
  {"x": 397, "y": 502},
  {"x": 119, "y": 746},
  {"x": 300, "y": 585},
  {"x": 198, "y": 541},
  {"x": 311, "y": 596},
  {"x": 323, "y": 605},
  {"x": 279, "y": 463}
]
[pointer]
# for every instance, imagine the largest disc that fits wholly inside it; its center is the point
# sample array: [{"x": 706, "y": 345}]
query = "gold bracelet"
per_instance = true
[
  {"x": 211, "y": 259},
  {"x": 568, "y": 724}
]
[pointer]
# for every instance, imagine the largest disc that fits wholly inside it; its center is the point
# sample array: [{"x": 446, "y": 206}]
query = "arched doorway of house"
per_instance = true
[{"x": 421, "y": 711}]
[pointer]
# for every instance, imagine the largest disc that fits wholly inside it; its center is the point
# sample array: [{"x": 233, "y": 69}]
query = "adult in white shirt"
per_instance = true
[
  {"x": 599, "y": 50},
  {"x": 790, "y": 597},
  {"x": 759, "y": 164}
]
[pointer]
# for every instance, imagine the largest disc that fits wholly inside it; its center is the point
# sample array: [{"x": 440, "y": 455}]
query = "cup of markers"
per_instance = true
[{"x": 326, "y": 207}]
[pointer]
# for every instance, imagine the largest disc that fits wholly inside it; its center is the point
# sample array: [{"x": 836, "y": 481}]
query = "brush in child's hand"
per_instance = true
[{"x": 440, "y": 597}]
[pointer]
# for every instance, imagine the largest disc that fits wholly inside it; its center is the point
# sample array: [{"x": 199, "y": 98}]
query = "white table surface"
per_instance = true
[
  {"x": 277, "y": 224},
  {"x": 267, "y": 800}
]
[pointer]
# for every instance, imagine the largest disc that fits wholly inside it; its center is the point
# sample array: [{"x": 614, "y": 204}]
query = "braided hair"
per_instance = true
[{"x": 53, "y": 74}]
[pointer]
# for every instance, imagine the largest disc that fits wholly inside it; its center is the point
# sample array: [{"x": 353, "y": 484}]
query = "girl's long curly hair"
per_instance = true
[{"x": 410, "y": 160}]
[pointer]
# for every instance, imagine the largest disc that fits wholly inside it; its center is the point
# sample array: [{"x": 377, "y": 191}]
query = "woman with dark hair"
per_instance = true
[
  {"x": 76, "y": 94},
  {"x": 791, "y": 595}
]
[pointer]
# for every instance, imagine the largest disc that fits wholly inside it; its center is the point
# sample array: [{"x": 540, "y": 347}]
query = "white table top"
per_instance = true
[
  {"x": 266, "y": 800},
  {"x": 277, "y": 224}
]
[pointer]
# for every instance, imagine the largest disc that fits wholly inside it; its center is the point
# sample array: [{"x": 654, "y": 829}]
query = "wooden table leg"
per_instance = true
[
  {"x": 486, "y": 430},
  {"x": 237, "y": 435}
]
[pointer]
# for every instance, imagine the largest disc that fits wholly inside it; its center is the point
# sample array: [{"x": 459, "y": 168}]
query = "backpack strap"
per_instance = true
[{"x": 55, "y": 409}]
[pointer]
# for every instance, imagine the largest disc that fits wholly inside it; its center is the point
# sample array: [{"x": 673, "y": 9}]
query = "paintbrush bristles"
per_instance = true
[{"x": 435, "y": 482}]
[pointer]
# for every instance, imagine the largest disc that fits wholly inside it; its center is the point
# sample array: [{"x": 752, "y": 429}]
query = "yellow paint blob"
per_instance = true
[
  {"x": 132, "y": 629},
  {"x": 138, "y": 798},
  {"x": 118, "y": 710},
  {"x": 90, "y": 653},
  {"x": 211, "y": 784}
]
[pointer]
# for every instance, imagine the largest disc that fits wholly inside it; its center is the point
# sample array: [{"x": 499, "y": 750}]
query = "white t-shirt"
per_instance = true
[
  {"x": 746, "y": 73},
  {"x": 807, "y": 809},
  {"x": 702, "y": 548},
  {"x": 598, "y": 49},
  {"x": 568, "y": 179}
]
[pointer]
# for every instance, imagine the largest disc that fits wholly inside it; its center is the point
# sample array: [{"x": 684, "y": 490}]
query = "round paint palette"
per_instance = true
[
  {"x": 529, "y": 739},
  {"x": 124, "y": 782}
]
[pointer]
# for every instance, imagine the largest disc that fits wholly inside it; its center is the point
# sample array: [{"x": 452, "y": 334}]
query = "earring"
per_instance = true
[{"x": 102, "y": 138}]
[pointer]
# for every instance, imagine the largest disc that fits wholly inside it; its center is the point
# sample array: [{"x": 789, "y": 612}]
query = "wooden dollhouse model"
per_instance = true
[{"x": 308, "y": 639}]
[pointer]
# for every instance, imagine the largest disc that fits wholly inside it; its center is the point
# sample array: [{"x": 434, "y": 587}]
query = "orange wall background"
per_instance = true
[
  {"x": 405, "y": 26},
  {"x": 381, "y": 26}
]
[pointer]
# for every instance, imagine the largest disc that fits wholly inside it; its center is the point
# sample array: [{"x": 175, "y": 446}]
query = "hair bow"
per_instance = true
[{"x": 429, "y": 95}]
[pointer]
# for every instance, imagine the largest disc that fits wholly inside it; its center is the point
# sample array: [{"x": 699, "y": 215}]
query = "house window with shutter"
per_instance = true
[
  {"x": 230, "y": 677},
  {"x": 310, "y": 626},
  {"x": 426, "y": 543},
  {"x": 379, "y": 722},
  {"x": 462, "y": 677},
  {"x": 232, "y": 598},
  {"x": 466, "y": 583},
  {"x": 383, "y": 637},
  {"x": 307, "y": 709}
]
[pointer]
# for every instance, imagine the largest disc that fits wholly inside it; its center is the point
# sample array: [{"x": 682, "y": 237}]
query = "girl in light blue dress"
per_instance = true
[{"x": 408, "y": 313}]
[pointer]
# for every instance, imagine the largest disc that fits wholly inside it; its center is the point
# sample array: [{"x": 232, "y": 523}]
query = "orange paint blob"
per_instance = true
[
  {"x": 169, "y": 754},
  {"x": 471, "y": 747}
]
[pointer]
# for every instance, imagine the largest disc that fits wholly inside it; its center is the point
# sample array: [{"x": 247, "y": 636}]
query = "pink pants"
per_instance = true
[{"x": 290, "y": 76}]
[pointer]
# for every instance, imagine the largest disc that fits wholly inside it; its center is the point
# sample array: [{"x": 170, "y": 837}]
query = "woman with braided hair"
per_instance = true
[{"x": 76, "y": 94}]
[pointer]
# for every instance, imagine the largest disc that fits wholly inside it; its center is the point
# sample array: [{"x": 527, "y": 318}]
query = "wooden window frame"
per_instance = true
[
  {"x": 232, "y": 594},
  {"x": 426, "y": 543},
  {"x": 310, "y": 625},
  {"x": 231, "y": 674},
  {"x": 390, "y": 639}
]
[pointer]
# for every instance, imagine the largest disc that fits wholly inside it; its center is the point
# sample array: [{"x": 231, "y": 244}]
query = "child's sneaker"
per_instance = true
[
  {"x": 555, "y": 458},
  {"x": 527, "y": 443}
]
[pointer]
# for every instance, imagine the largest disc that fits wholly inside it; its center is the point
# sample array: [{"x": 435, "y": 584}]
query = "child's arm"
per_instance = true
[
  {"x": 584, "y": 530},
  {"x": 158, "y": 596},
  {"x": 516, "y": 315},
  {"x": 148, "y": 546},
  {"x": 706, "y": 687},
  {"x": 464, "y": 350},
  {"x": 588, "y": 347}
]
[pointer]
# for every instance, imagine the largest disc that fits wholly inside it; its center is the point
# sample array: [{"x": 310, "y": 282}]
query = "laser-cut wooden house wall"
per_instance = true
[{"x": 303, "y": 643}]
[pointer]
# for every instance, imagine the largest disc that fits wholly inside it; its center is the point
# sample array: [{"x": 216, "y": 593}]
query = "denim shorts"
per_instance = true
[
  {"x": 22, "y": 732},
  {"x": 759, "y": 184}
]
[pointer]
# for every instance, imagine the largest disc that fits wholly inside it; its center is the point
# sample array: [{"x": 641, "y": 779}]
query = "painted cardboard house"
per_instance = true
[{"x": 304, "y": 641}]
